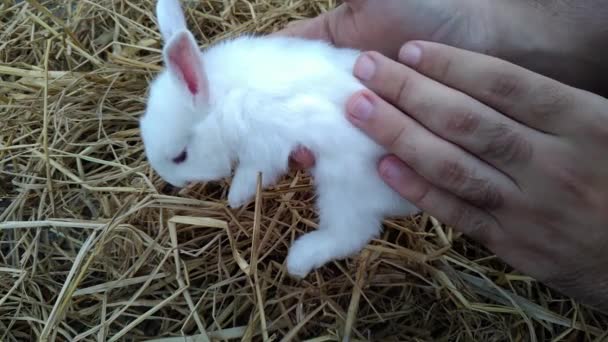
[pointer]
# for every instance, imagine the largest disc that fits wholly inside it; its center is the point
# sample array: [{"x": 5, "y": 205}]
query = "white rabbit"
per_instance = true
[{"x": 252, "y": 101}]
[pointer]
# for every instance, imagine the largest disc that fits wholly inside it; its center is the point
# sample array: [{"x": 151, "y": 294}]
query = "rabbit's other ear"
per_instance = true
[{"x": 170, "y": 18}]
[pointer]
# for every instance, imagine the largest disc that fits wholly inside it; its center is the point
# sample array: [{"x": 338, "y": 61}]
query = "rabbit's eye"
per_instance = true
[{"x": 181, "y": 157}]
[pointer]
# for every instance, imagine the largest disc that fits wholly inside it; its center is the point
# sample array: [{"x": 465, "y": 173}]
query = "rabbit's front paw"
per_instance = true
[
  {"x": 242, "y": 188},
  {"x": 237, "y": 197}
]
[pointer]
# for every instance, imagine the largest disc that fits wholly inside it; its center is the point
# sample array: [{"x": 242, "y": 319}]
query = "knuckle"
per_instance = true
[
  {"x": 462, "y": 123},
  {"x": 397, "y": 141},
  {"x": 507, "y": 146},
  {"x": 504, "y": 86},
  {"x": 420, "y": 193},
  {"x": 573, "y": 183},
  {"x": 392, "y": 79},
  {"x": 437, "y": 62},
  {"x": 475, "y": 226},
  {"x": 460, "y": 216},
  {"x": 402, "y": 90},
  {"x": 484, "y": 194},
  {"x": 480, "y": 229},
  {"x": 479, "y": 192},
  {"x": 443, "y": 65},
  {"x": 451, "y": 172},
  {"x": 548, "y": 99},
  {"x": 331, "y": 26},
  {"x": 421, "y": 107}
]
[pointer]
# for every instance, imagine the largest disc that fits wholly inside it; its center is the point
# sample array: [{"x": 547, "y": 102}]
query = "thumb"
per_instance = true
[
  {"x": 354, "y": 4},
  {"x": 334, "y": 26},
  {"x": 315, "y": 28}
]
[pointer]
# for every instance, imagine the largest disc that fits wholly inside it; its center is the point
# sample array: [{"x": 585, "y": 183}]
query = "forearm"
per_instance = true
[{"x": 562, "y": 40}]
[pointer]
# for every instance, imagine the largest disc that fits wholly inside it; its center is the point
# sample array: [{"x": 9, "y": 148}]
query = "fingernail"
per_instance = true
[
  {"x": 392, "y": 169},
  {"x": 410, "y": 54},
  {"x": 361, "y": 108},
  {"x": 389, "y": 170},
  {"x": 365, "y": 68}
]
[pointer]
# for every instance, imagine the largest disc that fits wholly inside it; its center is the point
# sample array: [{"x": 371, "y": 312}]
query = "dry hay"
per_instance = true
[{"x": 94, "y": 246}]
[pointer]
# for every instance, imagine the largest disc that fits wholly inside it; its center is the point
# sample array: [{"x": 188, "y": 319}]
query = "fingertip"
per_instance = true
[
  {"x": 360, "y": 107},
  {"x": 365, "y": 66},
  {"x": 411, "y": 54}
]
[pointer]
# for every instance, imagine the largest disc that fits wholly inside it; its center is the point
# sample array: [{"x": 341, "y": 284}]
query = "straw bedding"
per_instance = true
[{"x": 94, "y": 246}]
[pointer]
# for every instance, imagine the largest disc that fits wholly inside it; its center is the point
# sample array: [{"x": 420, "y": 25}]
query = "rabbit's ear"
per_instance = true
[
  {"x": 183, "y": 60},
  {"x": 170, "y": 18}
]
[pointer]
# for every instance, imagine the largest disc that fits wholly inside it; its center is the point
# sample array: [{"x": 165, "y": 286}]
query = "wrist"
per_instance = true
[{"x": 535, "y": 37}]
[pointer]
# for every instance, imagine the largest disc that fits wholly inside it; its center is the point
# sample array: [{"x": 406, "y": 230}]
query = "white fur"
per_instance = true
[{"x": 266, "y": 96}]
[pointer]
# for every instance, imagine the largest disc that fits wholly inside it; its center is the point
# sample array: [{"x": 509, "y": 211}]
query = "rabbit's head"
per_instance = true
[{"x": 178, "y": 102}]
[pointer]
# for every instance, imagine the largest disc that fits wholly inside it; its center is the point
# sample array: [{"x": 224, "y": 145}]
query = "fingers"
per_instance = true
[
  {"x": 444, "y": 206},
  {"x": 323, "y": 27},
  {"x": 315, "y": 28},
  {"x": 445, "y": 165},
  {"x": 534, "y": 100},
  {"x": 337, "y": 26},
  {"x": 450, "y": 114}
]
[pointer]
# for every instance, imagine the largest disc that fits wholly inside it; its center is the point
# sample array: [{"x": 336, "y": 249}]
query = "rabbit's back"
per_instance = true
[
  {"x": 277, "y": 91},
  {"x": 280, "y": 66}
]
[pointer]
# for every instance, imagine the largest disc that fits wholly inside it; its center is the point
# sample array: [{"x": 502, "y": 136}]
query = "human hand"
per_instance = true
[
  {"x": 387, "y": 24},
  {"x": 384, "y": 25},
  {"x": 536, "y": 34},
  {"x": 511, "y": 158}
]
